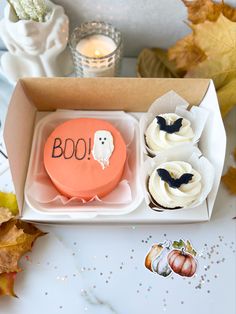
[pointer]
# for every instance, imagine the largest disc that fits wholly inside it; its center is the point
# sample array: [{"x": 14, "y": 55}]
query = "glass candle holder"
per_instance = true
[{"x": 96, "y": 49}]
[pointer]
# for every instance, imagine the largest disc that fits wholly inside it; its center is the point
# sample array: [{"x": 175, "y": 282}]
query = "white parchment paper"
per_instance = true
[{"x": 171, "y": 102}]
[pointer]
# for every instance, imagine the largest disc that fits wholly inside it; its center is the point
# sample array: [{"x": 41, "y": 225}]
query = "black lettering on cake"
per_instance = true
[
  {"x": 70, "y": 148},
  {"x": 67, "y": 148},
  {"x": 83, "y": 149},
  {"x": 56, "y": 147},
  {"x": 89, "y": 148}
]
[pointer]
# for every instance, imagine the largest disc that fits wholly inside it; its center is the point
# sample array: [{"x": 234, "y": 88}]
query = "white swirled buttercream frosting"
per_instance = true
[
  {"x": 158, "y": 140},
  {"x": 170, "y": 197}
]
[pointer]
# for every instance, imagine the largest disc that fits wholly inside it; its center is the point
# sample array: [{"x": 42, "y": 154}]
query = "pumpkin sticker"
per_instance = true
[
  {"x": 178, "y": 257},
  {"x": 156, "y": 259}
]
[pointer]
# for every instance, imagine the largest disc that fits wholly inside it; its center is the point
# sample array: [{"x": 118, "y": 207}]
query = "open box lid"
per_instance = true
[{"x": 128, "y": 94}]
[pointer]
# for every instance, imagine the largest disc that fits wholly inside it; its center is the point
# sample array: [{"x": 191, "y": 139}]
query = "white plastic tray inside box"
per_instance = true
[
  {"x": 37, "y": 183},
  {"x": 117, "y": 94},
  {"x": 171, "y": 102}
]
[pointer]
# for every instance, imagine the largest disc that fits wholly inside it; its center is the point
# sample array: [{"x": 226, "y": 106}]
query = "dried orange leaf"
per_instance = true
[
  {"x": 7, "y": 284},
  {"x": 229, "y": 180},
  {"x": 16, "y": 238},
  {"x": 210, "y": 51},
  {"x": 154, "y": 63},
  {"x": 186, "y": 54},
  {"x": 200, "y": 11},
  {"x": 228, "y": 12}
]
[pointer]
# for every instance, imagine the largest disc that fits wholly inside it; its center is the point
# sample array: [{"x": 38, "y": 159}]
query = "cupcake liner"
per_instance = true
[
  {"x": 171, "y": 102},
  {"x": 187, "y": 153}
]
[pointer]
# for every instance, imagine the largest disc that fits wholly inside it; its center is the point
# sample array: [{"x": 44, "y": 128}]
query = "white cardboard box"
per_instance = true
[{"x": 32, "y": 96}]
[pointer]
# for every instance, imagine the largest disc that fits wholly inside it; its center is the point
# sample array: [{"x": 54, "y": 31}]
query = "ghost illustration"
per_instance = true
[{"x": 103, "y": 147}]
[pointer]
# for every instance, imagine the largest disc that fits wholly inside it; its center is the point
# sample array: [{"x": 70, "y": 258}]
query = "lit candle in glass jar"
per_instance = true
[
  {"x": 96, "y": 46},
  {"x": 96, "y": 54}
]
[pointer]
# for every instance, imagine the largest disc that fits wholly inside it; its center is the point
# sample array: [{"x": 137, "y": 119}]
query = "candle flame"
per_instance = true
[{"x": 97, "y": 53}]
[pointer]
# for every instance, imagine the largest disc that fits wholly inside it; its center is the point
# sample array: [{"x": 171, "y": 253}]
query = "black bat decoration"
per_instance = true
[
  {"x": 174, "y": 183},
  {"x": 172, "y": 128}
]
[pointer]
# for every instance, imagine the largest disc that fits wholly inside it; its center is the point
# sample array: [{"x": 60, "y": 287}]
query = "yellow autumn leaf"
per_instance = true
[
  {"x": 7, "y": 284},
  {"x": 209, "y": 52},
  {"x": 227, "y": 97},
  {"x": 222, "y": 70},
  {"x": 216, "y": 38},
  {"x": 8, "y": 200},
  {"x": 200, "y": 11},
  {"x": 154, "y": 63},
  {"x": 186, "y": 54},
  {"x": 5, "y": 214},
  {"x": 16, "y": 238},
  {"x": 9, "y": 251},
  {"x": 229, "y": 180}
]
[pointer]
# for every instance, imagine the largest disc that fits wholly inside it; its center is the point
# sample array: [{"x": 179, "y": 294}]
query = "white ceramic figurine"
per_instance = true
[{"x": 35, "y": 48}]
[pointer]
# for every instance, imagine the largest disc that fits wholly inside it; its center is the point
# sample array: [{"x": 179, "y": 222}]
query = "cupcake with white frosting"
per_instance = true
[
  {"x": 168, "y": 130},
  {"x": 174, "y": 184}
]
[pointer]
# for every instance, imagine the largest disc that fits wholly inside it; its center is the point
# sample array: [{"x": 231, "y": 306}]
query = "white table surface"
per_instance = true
[{"x": 100, "y": 269}]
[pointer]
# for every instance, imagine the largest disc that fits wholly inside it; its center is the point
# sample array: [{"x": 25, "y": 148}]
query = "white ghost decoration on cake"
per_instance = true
[{"x": 103, "y": 147}]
